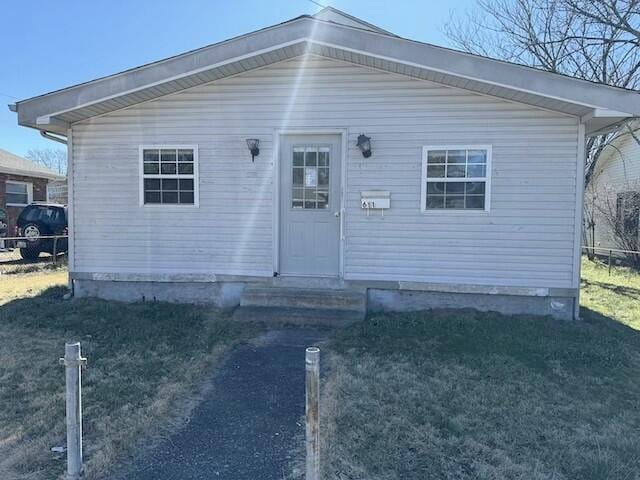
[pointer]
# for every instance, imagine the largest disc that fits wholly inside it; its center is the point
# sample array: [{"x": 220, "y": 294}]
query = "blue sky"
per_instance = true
[{"x": 49, "y": 45}]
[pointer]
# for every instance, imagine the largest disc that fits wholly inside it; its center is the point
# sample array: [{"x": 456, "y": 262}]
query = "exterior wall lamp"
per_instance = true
[
  {"x": 364, "y": 144},
  {"x": 254, "y": 147}
]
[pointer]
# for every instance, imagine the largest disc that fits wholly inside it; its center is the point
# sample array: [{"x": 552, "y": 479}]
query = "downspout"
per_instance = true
[{"x": 51, "y": 136}]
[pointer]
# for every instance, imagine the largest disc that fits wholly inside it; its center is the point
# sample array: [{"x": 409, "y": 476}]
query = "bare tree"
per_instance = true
[
  {"x": 591, "y": 200},
  {"x": 595, "y": 40},
  {"x": 53, "y": 158},
  {"x": 619, "y": 211}
]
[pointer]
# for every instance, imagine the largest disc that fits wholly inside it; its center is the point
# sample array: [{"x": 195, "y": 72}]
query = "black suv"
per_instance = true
[{"x": 41, "y": 220}]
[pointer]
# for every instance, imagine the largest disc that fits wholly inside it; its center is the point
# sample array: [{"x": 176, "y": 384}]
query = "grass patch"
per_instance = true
[
  {"x": 11, "y": 263},
  {"x": 615, "y": 296},
  {"x": 25, "y": 286},
  {"x": 146, "y": 363},
  {"x": 469, "y": 395}
]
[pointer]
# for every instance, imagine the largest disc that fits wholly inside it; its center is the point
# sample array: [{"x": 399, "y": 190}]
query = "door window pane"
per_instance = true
[
  {"x": 323, "y": 157},
  {"x": 323, "y": 177},
  {"x": 310, "y": 177},
  {"x": 298, "y": 157},
  {"x": 298, "y": 194},
  {"x": 298, "y": 176},
  {"x": 311, "y": 157},
  {"x": 323, "y": 199},
  {"x": 310, "y": 170}
]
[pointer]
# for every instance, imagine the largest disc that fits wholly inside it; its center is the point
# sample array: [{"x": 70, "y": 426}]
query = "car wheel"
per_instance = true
[
  {"x": 31, "y": 233},
  {"x": 29, "y": 253}
]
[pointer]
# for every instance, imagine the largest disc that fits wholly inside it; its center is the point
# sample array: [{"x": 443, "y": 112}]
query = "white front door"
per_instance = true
[{"x": 310, "y": 205}]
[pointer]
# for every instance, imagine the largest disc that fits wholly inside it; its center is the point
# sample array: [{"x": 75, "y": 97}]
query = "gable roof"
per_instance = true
[
  {"x": 331, "y": 34},
  {"x": 15, "y": 165},
  {"x": 330, "y": 14}
]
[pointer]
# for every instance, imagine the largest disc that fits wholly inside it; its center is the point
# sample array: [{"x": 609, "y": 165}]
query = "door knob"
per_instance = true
[{"x": 336, "y": 214}]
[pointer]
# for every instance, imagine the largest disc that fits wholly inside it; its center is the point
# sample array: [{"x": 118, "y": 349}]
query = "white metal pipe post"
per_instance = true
[
  {"x": 312, "y": 412},
  {"x": 73, "y": 363}
]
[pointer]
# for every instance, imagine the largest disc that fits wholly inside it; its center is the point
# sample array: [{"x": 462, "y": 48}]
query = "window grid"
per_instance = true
[
  {"x": 310, "y": 173},
  {"x": 169, "y": 175},
  {"x": 455, "y": 178},
  {"x": 17, "y": 193}
]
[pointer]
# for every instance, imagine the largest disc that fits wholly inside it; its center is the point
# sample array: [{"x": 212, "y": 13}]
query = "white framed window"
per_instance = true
[
  {"x": 456, "y": 178},
  {"x": 169, "y": 175},
  {"x": 18, "y": 194}
]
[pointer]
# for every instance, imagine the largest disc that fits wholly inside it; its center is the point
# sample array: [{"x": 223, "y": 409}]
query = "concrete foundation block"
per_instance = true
[
  {"x": 229, "y": 295},
  {"x": 220, "y": 295},
  {"x": 406, "y": 301}
]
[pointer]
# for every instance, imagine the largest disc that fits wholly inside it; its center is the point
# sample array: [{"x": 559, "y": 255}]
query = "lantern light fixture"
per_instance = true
[
  {"x": 254, "y": 147},
  {"x": 364, "y": 144}
]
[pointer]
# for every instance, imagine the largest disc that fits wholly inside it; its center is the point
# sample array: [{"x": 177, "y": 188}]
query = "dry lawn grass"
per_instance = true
[
  {"x": 146, "y": 365},
  {"x": 467, "y": 395},
  {"x": 23, "y": 286},
  {"x": 11, "y": 263}
]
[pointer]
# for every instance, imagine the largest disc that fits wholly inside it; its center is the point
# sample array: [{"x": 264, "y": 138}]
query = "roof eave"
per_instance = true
[
  {"x": 600, "y": 121},
  {"x": 30, "y": 174},
  {"x": 595, "y": 100}
]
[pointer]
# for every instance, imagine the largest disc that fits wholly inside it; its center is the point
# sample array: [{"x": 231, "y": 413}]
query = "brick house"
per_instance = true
[{"x": 21, "y": 183}]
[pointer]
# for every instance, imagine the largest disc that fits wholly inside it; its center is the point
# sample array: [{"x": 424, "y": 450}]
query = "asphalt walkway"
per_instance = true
[{"x": 249, "y": 425}]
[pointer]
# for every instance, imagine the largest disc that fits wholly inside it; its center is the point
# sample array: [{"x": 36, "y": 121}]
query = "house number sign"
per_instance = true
[{"x": 375, "y": 200}]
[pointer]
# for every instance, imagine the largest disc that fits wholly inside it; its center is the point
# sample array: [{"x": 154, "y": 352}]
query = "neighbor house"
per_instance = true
[
  {"x": 325, "y": 158},
  {"x": 21, "y": 183},
  {"x": 613, "y": 195}
]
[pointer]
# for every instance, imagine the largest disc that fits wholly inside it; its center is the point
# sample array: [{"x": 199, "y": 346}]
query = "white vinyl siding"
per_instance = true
[
  {"x": 618, "y": 171},
  {"x": 527, "y": 239}
]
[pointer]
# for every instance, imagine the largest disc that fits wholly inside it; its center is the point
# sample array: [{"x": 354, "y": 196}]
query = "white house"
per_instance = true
[
  {"x": 614, "y": 196},
  {"x": 411, "y": 175}
]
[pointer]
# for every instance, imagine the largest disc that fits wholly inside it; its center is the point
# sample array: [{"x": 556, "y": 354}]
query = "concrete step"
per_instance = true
[
  {"x": 306, "y": 298},
  {"x": 298, "y": 316}
]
